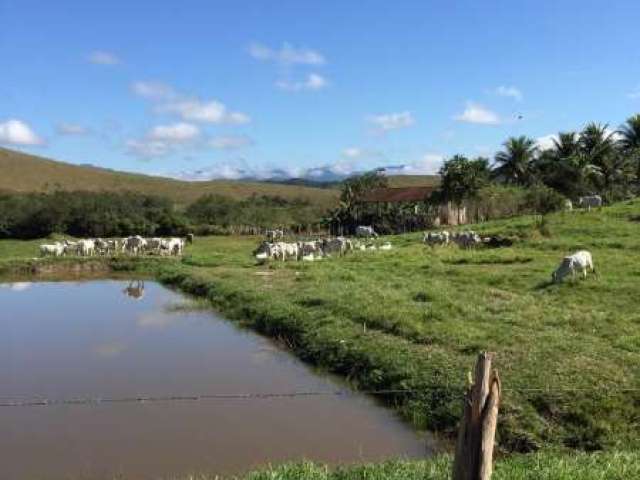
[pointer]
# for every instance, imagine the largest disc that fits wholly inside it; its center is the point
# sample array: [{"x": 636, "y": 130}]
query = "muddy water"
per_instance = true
[{"x": 113, "y": 340}]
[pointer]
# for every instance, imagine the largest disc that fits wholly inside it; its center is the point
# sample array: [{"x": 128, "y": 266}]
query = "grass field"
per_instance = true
[
  {"x": 545, "y": 466},
  {"x": 414, "y": 318}
]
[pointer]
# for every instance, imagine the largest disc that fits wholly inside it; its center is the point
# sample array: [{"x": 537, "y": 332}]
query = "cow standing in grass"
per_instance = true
[{"x": 579, "y": 261}]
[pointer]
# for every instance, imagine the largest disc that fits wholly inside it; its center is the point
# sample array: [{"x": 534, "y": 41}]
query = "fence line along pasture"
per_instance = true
[{"x": 36, "y": 401}]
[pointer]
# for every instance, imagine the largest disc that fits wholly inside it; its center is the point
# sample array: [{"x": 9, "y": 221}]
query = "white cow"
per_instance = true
[
  {"x": 273, "y": 235},
  {"x": 134, "y": 245},
  {"x": 86, "y": 247},
  {"x": 365, "y": 231},
  {"x": 568, "y": 205},
  {"x": 71, "y": 248},
  {"x": 172, "y": 246},
  {"x": 466, "y": 239},
  {"x": 436, "y": 238},
  {"x": 590, "y": 201},
  {"x": 154, "y": 245},
  {"x": 53, "y": 249},
  {"x": 267, "y": 251},
  {"x": 580, "y": 260},
  {"x": 288, "y": 250}
]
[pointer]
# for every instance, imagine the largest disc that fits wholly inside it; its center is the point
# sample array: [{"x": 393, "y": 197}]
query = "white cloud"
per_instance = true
[
  {"x": 546, "y": 142},
  {"x": 208, "y": 112},
  {"x": 100, "y": 57},
  {"x": 313, "y": 81},
  {"x": 71, "y": 129},
  {"x": 146, "y": 148},
  {"x": 228, "y": 142},
  {"x": 352, "y": 152},
  {"x": 286, "y": 55},
  {"x": 162, "y": 139},
  {"x": 153, "y": 90},
  {"x": 392, "y": 121},
  {"x": 475, "y": 113},
  {"x": 512, "y": 92},
  {"x": 17, "y": 132},
  {"x": 175, "y": 133}
]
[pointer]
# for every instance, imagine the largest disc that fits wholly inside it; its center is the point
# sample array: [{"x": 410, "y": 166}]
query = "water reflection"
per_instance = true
[
  {"x": 135, "y": 289},
  {"x": 16, "y": 286},
  {"x": 59, "y": 342}
]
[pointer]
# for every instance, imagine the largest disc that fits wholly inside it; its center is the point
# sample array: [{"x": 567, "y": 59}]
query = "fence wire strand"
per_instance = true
[{"x": 39, "y": 401}]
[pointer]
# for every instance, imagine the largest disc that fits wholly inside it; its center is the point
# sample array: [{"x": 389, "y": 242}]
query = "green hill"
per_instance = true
[{"x": 20, "y": 172}]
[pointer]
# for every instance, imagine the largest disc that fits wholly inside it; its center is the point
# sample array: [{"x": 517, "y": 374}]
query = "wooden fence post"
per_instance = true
[{"x": 477, "y": 430}]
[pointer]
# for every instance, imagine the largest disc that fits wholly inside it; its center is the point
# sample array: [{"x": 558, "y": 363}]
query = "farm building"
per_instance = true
[{"x": 444, "y": 214}]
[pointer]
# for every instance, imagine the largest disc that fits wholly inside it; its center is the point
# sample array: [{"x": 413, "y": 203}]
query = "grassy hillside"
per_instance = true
[{"x": 29, "y": 173}]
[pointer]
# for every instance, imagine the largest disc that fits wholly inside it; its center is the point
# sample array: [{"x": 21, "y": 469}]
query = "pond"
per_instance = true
[{"x": 121, "y": 365}]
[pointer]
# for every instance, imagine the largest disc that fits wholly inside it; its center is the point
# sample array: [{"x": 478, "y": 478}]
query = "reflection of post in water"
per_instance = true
[{"x": 135, "y": 289}]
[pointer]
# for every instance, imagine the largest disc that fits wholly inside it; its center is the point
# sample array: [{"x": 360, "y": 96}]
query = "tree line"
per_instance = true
[
  {"x": 523, "y": 178},
  {"x": 596, "y": 160},
  {"x": 111, "y": 214}
]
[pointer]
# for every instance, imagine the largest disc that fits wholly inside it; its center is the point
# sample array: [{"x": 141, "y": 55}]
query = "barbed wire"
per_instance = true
[{"x": 17, "y": 401}]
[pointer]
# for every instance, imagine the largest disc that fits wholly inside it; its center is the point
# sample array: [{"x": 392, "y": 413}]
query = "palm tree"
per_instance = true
[
  {"x": 559, "y": 167},
  {"x": 630, "y": 142},
  {"x": 610, "y": 166},
  {"x": 630, "y": 133},
  {"x": 516, "y": 161}
]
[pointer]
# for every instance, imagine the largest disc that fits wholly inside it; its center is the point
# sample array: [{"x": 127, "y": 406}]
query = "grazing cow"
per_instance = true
[
  {"x": 154, "y": 245},
  {"x": 134, "y": 245},
  {"x": 71, "y": 248},
  {"x": 310, "y": 249},
  {"x": 267, "y": 251},
  {"x": 590, "y": 201},
  {"x": 339, "y": 245},
  {"x": 580, "y": 260},
  {"x": 365, "y": 231},
  {"x": 86, "y": 247},
  {"x": 436, "y": 238},
  {"x": 171, "y": 246},
  {"x": 273, "y": 235},
  {"x": 466, "y": 239},
  {"x": 288, "y": 250},
  {"x": 54, "y": 250}
]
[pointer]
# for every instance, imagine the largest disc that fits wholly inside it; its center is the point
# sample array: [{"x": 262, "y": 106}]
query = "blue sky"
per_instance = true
[{"x": 205, "y": 89}]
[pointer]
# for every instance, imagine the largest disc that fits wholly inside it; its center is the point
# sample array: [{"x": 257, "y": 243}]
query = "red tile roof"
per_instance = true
[{"x": 399, "y": 194}]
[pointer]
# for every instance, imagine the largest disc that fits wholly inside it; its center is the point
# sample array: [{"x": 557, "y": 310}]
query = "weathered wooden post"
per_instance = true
[{"x": 477, "y": 430}]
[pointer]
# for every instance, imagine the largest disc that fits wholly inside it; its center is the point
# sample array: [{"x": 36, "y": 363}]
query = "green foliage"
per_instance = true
[
  {"x": 258, "y": 211},
  {"x": 515, "y": 164},
  {"x": 36, "y": 215},
  {"x": 550, "y": 465},
  {"x": 463, "y": 178}
]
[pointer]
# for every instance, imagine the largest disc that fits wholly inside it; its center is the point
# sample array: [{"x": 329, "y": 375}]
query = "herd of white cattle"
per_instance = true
[
  {"x": 313, "y": 250},
  {"x": 134, "y": 245}
]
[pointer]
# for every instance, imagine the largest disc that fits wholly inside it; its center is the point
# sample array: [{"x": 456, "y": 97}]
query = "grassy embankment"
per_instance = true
[{"x": 569, "y": 355}]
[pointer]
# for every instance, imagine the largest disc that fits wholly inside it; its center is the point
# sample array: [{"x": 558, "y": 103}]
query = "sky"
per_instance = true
[{"x": 232, "y": 89}]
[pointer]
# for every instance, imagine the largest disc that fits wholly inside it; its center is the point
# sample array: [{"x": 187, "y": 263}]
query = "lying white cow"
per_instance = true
[
  {"x": 365, "y": 231},
  {"x": 579, "y": 261},
  {"x": 590, "y": 201}
]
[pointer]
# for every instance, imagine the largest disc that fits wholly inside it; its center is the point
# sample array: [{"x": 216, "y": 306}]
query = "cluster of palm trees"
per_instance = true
[{"x": 595, "y": 160}]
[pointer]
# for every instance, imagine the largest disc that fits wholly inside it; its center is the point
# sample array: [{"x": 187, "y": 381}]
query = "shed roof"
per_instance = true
[{"x": 399, "y": 194}]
